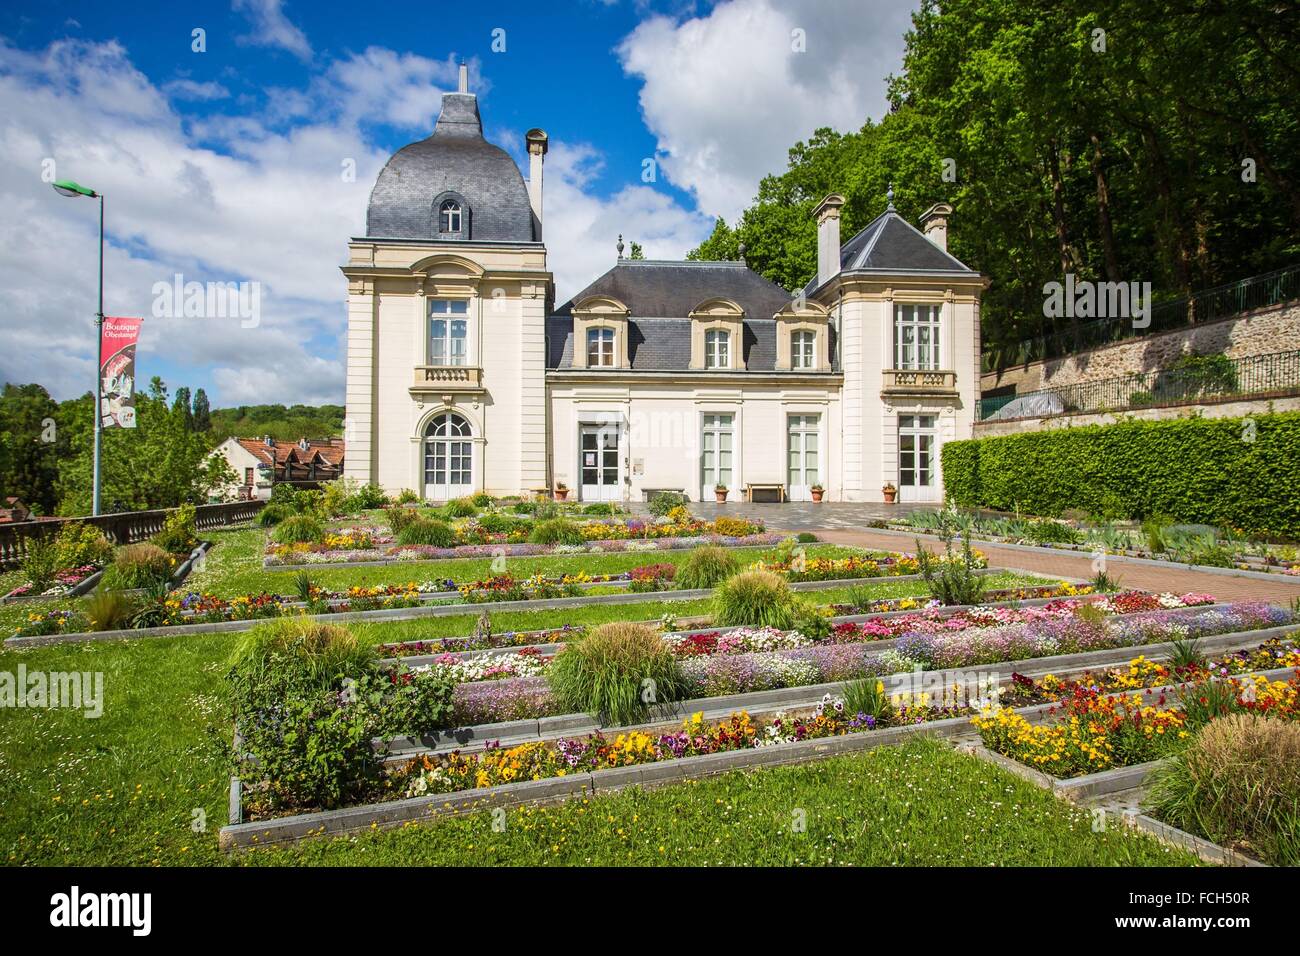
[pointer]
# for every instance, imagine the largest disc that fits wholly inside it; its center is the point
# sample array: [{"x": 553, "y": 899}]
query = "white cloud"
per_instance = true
[
  {"x": 279, "y": 212},
  {"x": 192, "y": 90},
  {"x": 272, "y": 27},
  {"x": 581, "y": 230},
  {"x": 727, "y": 95}
]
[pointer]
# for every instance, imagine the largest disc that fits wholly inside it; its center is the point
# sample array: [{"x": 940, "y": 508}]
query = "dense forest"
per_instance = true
[
  {"x": 46, "y": 447},
  {"x": 1118, "y": 140}
]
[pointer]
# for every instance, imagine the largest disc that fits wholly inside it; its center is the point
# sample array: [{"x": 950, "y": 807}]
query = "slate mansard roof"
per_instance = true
[
  {"x": 660, "y": 297},
  {"x": 456, "y": 159},
  {"x": 890, "y": 244}
]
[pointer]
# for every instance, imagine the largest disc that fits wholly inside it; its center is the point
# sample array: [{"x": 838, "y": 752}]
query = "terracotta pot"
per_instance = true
[
  {"x": 561, "y": 494},
  {"x": 817, "y": 495},
  {"x": 890, "y": 496},
  {"x": 721, "y": 496}
]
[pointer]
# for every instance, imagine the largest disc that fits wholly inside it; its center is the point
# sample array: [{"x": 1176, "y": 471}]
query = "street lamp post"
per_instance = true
[{"x": 67, "y": 187}]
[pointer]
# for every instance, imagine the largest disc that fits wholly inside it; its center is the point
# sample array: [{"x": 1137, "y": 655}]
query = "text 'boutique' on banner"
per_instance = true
[{"x": 117, "y": 374}]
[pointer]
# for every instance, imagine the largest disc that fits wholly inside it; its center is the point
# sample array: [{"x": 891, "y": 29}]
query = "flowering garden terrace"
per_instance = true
[{"x": 830, "y": 675}]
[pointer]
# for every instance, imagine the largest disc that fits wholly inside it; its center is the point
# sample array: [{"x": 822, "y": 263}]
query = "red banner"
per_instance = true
[{"x": 117, "y": 342}]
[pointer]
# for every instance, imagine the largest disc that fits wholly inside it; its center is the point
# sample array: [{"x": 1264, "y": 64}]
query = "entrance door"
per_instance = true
[
  {"x": 448, "y": 458},
  {"x": 917, "y": 450},
  {"x": 715, "y": 454},
  {"x": 802, "y": 445},
  {"x": 600, "y": 463}
]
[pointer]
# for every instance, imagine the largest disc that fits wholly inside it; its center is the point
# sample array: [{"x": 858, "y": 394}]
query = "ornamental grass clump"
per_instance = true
[
  {"x": 556, "y": 531},
  {"x": 615, "y": 672},
  {"x": 706, "y": 567},
  {"x": 754, "y": 599},
  {"x": 299, "y": 529},
  {"x": 141, "y": 565},
  {"x": 953, "y": 579},
  {"x": 427, "y": 531},
  {"x": 1237, "y": 784}
]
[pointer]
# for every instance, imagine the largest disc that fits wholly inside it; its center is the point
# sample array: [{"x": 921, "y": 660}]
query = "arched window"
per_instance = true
[
  {"x": 600, "y": 348},
  {"x": 717, "y": 349},
  {"x": 448, "y": 457},
  {"x": 449, "y": 217},
  {"x": 801, "y": 349}
]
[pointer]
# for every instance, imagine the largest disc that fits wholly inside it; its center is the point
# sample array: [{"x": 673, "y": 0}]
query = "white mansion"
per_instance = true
[{"x": 463, "y": 375}]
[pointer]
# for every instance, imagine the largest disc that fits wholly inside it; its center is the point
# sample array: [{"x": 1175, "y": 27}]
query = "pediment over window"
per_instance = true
[
  {"x": 600, "y": 331},
  {"x": 718, "y": 308},
  {"x": 444, "y": 272}
]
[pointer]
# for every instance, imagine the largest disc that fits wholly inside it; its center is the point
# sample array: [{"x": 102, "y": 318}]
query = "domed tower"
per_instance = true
[{"x": 447, "y": 296}]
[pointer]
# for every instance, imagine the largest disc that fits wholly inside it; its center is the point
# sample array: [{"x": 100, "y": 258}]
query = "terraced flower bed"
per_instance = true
[
  {"x": 470, "y": 537},
  {"x": 1092, "y": 731},
  {"x": 799, "y": 661}
]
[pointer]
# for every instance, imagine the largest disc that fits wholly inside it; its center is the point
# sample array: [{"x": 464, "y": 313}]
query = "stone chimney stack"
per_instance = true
[
  {"x": 536, "y": 141},
  {"x": 934, "y": 223},
  {"x": 827, "y": 215},
  {"x": 463, "y": 85}
]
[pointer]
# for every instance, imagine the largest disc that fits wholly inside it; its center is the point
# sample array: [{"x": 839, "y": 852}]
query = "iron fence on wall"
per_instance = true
[{"x": 1211, "y": 378}]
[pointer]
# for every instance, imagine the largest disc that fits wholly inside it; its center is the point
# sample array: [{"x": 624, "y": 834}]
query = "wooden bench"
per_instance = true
[{"x": 773, "y": 492}]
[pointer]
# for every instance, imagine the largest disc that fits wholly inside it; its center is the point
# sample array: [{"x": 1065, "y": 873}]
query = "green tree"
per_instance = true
[
  {"x": 637, "y": 251},
  {"x": 161, "y": 463},
  {"x": 202, "y": 411},
  {"x": 30, "y": 444}
]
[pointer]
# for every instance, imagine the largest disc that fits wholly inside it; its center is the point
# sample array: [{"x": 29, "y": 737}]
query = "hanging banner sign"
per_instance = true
[{"x": 117, "y": 375}]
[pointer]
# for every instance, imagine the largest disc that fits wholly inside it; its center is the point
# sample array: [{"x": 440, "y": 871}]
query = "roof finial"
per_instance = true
[
  {"x": 889, "y": 195},
  {"x": 464, "y": 78},
  {"x": 620, "y": 245},
  {"x": 740, "y": 249}
]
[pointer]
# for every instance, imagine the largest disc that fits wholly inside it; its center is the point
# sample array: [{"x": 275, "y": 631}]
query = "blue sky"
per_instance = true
[{"x": 224, "y": 164}]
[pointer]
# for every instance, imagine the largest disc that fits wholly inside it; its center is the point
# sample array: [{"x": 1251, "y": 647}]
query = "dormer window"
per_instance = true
[
  {"x": 449, "y": 217},
  {"x": 600, "y": 348},
  {"x": 717, "y": 349},
  {"x": 802, "y": 349}
]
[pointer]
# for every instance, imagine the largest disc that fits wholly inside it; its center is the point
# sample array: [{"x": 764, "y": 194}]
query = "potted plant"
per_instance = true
[
  {"x": 890, "y": 492},
  {"x": 561, "y": 491},
  {"x": 720, "y": 492},
  {"x": 817, "y": 492}
]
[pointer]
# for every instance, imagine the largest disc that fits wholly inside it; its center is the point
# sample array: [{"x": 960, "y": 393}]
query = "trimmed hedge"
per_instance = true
[{"x": 1234, "y": 472}]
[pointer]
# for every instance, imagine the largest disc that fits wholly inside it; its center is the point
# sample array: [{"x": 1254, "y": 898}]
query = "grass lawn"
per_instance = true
[
  {"x": 130, "y": 786},
  {"x": 920, "y": 805}
]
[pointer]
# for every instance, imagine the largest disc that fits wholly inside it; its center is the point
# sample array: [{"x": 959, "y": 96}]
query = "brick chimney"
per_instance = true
[
  {"x": 827, "y": 215},
  {"x": 934, "y": 223}
]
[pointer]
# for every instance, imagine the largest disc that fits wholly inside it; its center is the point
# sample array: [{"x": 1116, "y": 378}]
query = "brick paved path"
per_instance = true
[{"x": 1283, "y": 590}]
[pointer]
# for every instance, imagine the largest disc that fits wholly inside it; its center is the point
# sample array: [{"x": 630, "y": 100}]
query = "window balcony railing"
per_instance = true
[
  {"x": 442, "y": 376},
  {"x": 911, "y": 381}
]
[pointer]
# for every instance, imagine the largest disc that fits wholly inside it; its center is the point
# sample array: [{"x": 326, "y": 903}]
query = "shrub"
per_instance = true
[
  {"x": 615, "y": 672},
  {"x": 310, "y": 501},
  {"x": 367, "y": 497},
  {"x": 1237, "y": 783},
  {"x": 179, "y": 532},
  {"x": 705, "y": 567},
  {"x": 427, "y": 531},
  {"x": 813, "y": 621},
  {"x": 108, "y": 610},
  {"x": 272, "y": 514},
  {"x": 806, "y": 537},
  {"x": 481, "y": 500},
  {"x": 299, "y": 529},
  {"x": 733, "y": 527},
  {"x": 524, "y": 507},
  {"x": 1191, "y": 469},
  {"x": 40, "y": 562},
  {"x": 79, "y": 544},
  {"x": 496, "y": 523},
  {"x": 599, "y": 509},
  {"x": 556, "y": 531},
  {"x": 142, "y": 565},
  {"x": 407, "y": 497},
  {"x": 662, "y": 502},
  {"x": 283, "y": 494},
  {"x": 1053, "y": 532},
  {"x": 754, "y": 599},
  {"x": 397, "y": 518}
]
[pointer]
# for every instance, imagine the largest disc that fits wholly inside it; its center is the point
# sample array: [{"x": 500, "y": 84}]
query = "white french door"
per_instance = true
[
  {"x": 717, "y": 441},
  {"x": 918, "y": 450},
  {"x": 600, "y": 463},
  {"x": 448, "y": 458},
  {"x": 803, "y": 448}
]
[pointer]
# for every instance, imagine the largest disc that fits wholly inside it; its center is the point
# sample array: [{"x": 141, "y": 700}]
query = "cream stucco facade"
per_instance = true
[{"x": 463, "y": 376}]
